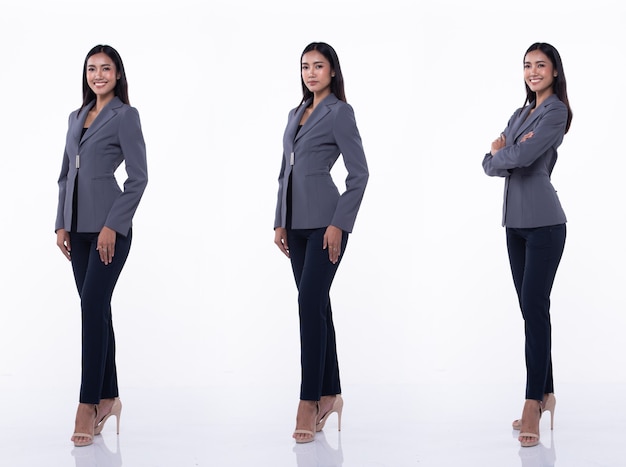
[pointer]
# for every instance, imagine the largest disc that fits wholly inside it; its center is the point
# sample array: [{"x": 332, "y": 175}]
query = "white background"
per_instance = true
[{"x": 424, "y": 292}]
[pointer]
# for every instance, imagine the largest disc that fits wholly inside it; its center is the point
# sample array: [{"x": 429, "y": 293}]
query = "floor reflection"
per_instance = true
[
  {"x": 540, "y": 455},
  {"x": 406, "y": 432},
  {"x": 98, "y": 454},
  {"x": 319, "y": 453}
]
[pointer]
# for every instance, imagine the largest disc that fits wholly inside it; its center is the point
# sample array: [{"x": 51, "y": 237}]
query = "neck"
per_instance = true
[
  {"x": 319, "y": 97},
  {"x": 102, "y": 101},
  {"x": 542, "y": 96}
]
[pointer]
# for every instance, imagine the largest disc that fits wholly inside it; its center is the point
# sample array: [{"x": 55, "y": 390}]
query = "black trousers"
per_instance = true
[
  {"x": 534, "y": 255},
  {"x": 314, "y": 274},
  {"x": 95, "y": 283}
]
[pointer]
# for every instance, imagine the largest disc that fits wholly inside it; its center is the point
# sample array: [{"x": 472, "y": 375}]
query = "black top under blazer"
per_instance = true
[
  {"x": 530, "y": 200},
  {"x": 309, "y": 155}
]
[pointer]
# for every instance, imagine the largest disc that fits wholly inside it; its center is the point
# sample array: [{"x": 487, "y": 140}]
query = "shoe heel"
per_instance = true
[
  {"x": 549, "y": 405},
  {"x": 339, "y": 421},
  {"x": 116, "y": 411},
  {"x": 339, "y": 412},
  {"x": 336, "y": 408}
]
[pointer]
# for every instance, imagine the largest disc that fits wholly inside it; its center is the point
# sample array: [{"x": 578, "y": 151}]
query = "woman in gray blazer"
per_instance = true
[
  {"x": 94, "y": 220},
  {"x": 313, "y": 221},
  {"x": 525, "y": 154}
]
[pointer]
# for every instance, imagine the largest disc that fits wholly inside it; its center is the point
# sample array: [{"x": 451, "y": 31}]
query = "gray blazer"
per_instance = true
[
  {"x": 530, "y": 200},
  {"x": 309, "y": 157},
  {"x": 114, "y": 136}
]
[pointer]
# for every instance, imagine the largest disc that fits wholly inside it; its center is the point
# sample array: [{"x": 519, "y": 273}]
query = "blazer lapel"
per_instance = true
[
  {"x": 320, "y": 112},
  {"x": 527, "y": 122},
  {"x": 292, "y": 125},
  {"x": 105, "y": 115},
  {"x": 78, "y": 123}
]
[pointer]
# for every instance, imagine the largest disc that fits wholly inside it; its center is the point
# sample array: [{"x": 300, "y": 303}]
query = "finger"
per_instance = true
[
  {"x": 282, "y": 246},
  {"x": 333, "y": 253},
  {"x": 64, "y": 250},
  {"x": 102, "y": 252}
]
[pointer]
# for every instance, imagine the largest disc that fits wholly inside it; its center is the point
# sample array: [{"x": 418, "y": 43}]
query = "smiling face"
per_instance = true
[
  {"x": 317, "y": 73},
  {"x": 101, "y": 75},
  {"x": 539, "y": 73}
]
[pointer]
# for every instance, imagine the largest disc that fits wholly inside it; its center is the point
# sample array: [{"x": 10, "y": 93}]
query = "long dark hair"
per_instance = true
[
  {"x": 559, "y": 85},
  {"x": 336, "y": 83},
  {"x": 121, "y": 86}
]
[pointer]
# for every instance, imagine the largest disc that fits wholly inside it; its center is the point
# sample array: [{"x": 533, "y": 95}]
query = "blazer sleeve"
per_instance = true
[
  {"x": 349, "y": 142},
  {"x": 279, "y": 215},
  {"x": 133, "y": 149},
  {"x": 548, "y": 131},
  {"x": 279, "y": 201},
  {"x": 65, "y": 166},
  {"x": 62, "y": 182},
  {"x": 487, "y": 167}
]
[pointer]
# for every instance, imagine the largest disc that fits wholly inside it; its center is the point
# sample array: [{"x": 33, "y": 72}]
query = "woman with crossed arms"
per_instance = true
[{"x": 525, "y": 154}]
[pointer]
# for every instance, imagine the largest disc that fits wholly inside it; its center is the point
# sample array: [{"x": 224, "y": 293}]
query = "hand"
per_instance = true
[
  {"x": 280, "y": 238},
  {"x": 498, "y": 144},
  {"x": 63, "y": 242},
  {"x": 528, "y": 135},
  {"x": 106, "y": 244},
  {"x": 332, "y": 241}
]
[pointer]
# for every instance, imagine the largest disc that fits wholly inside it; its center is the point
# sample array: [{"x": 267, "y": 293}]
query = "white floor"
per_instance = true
[{"x": 382, "y": 426}]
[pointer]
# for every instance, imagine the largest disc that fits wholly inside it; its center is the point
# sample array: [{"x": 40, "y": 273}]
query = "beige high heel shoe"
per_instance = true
[
  {"x": 527, "y": 439},
  {"x": 116, "y": 410},
  {"x": 338, "y": 408},
  {"x": 88, "y": 436},
  {"x": 548, "y": 406},
  {"x": 310, "y": 433}
]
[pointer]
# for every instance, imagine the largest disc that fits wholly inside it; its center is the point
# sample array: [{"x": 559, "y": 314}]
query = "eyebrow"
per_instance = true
[
  {"x": 538, "y": 61},
  {"x": 319, "y": 61}
]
